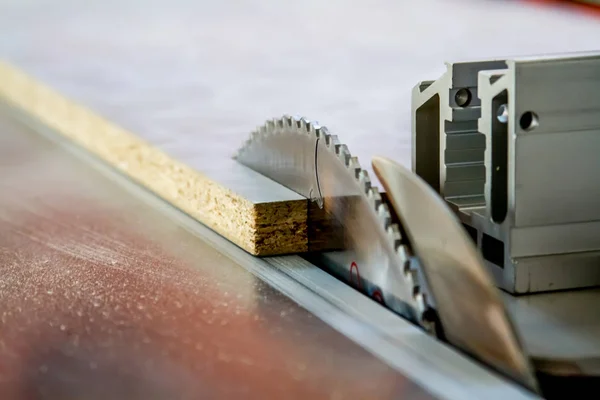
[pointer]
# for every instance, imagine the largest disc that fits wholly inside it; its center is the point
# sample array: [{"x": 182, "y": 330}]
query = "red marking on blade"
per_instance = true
[
  {"x": 377, "y": 296},
  {"x": 353, "y": 267}
]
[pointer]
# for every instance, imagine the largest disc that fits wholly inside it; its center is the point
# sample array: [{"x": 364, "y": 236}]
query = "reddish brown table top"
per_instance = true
[{"x": 103, "y": 297}]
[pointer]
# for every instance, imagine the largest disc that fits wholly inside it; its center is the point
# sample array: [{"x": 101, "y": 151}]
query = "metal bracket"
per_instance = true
[{"x": 514, "y": 147}]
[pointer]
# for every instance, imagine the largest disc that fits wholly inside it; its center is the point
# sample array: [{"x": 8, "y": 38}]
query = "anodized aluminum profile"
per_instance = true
[{"x": 514, "y": 147}]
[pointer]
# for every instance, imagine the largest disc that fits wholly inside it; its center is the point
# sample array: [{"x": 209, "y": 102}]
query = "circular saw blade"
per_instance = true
[{"x": 350, "y": 226}]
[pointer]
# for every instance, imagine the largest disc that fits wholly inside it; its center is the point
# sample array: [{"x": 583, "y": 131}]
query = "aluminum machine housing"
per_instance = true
[{"x": 514, "y": 147}]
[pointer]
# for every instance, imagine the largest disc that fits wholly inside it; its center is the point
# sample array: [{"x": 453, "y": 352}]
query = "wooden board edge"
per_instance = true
[{"x": 260, "y": 228}]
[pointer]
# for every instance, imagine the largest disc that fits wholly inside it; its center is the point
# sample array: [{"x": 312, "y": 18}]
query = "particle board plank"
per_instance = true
[{"x": 252, "y": 211}]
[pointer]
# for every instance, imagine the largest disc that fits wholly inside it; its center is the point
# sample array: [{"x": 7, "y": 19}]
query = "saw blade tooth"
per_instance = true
[
  {"x": 421, "y": 300},
  {"x": 384, "y": 215},
  {"x": 304, "y": 124},
  {"x": 419, "y": 296},
  {"x": 323, "y": 134},
  {"x": 374, "y": 198},
  {"x": 280, "y": 122},
  {"x": 417, "y": 293},
  {"x": 411, "y": 275},
  {"x": 365, "y": 181},
  {"x": 403, "y": 254},
  {"x": 354, "y": 167},
  {"x": 331, "y": 141},
  {"x": 410, "y": 279},
  {"x": 315, "y": 129},
  {"x": 288, "y": 121},
  {"x": 271, "y": 124},
  {"x": 295, "y": 122},
  {"x": 343, "y": 153},
  {"x": 394, "y": 235},
  {"x": 300, "y": 123}
]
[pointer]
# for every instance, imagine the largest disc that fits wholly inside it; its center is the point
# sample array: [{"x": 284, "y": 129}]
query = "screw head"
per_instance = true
[{"x": 463, "y": 97}]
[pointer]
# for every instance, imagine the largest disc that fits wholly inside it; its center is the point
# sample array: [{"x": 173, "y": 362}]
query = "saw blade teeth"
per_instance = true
[
  {"x": 411, "y": 275},
  {"x": 295, "y": 122},
  {"x": 384, "y": 215},
  {"x": 288, "y": 121},
  {"x": 343, "y": 153},
  {"x": 410, "y": 280},
  {"x": 310, "y": 127},
  {"x": 354, "y": 167},
  {"x": 271, "y": 124},
  {"x": 421, "y": 300},
  {"x": 331, "y": 141},
  {"x": 374, "y": 198},
  {"x": 299, "y": 122},
  {"x": 394, "y": 235},
  {"x": 365, "y": 181},
  {"x": 404, "y": 257},
  {"x": 321, "y": 133},
  {"x": 315, "y": 129},
  {"x": 304, "y": 125},
  {"x": 280, "y": 122}
]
